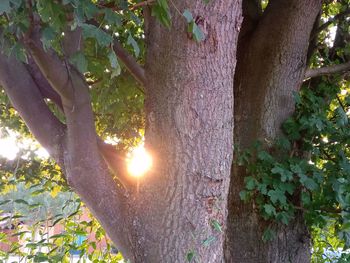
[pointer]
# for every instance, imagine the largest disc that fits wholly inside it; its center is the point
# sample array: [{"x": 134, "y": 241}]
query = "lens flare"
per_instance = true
[{"x": 139, "y": 162}]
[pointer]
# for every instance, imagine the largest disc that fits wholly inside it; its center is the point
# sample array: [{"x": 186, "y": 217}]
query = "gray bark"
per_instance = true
[
  {"x": 189, "y": 105},
  {"x": 271, "y": 64}
]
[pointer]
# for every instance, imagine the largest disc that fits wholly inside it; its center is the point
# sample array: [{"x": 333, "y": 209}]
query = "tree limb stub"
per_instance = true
[{"x": 315, "y": 72}]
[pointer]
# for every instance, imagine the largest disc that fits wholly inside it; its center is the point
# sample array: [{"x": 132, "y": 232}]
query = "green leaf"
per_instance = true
[
  {"x": 268, "y": 235},
  {"x": 131, "y": 41},
  {"x": 264, "y": 156},
  {"x": 310, "y": 184},
  {"x": 277, "y": 195},
  {"x": 91, "y": 31},
  {"x": 19, "y": 52},
  {"x": 208, "y": 241},
  {"x": 162, "y": 13},
  {"x": 250, "y": 182},
  {"x": 190, "y": 256},
  {"x": 21, "y": 201},
  {"x": 78, "y": 59},
  {"x": 114, "y": 63},
  {"x": 269, "y": 209},
  {"x": 40, "y": 257},
  {"x": 197, "y": 33},
  {"x": 112, "y": 17},
  {"x": 285, "y": 174},
  {"x": 188, "y": 15},
  {"x": 244, "y": 195},
  {"x": 47, "y": 35},
  {"x": 5, "y": 6},
  {"x": 216, "y": 225},
  {"x": 283, "y": 217}
]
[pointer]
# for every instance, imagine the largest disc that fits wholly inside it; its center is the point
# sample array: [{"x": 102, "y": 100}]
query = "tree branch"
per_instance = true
[
  {"x": 130, "y": 63},
  {"x": 44, "y": 86},
  {"x": 27, "y": 100},
  {"x": 72, "y": 41},
  {"x": 52, "y": 67},
  {"x": 315, "y": 72},
  {"x": 330, "y": 21},
  {"x": 116, "y": 162}
]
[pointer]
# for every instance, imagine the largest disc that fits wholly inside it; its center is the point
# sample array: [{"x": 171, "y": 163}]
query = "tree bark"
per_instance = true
[
  {"x": 189, "y": 105},
  {"x": 271, "y": 64}
]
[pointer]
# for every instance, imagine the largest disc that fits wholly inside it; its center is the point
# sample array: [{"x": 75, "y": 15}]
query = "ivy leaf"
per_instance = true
[
  {"x": 310, "y": 184},
  {"x": 244, "y": 195},
  {"x": 268, "y": 235},
  {"x": 285, "y": 174},
  {"x": 277, "y": 195},
  {"x": 264, "y": 156},
  {"x": 250, "y": 182},
  {"x": 269, "y": 210},
  {"x": 283, "y": 217}
]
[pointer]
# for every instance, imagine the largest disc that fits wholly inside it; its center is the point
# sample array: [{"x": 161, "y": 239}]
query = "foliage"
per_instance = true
[
  {"x": 33, "y": 199},
  {"x": 308, "y": 169}
]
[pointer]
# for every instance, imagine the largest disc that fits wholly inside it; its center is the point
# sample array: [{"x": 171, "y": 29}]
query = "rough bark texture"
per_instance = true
[
  {"x": 271, "y": 65},
  {"x": 189, "y": 104},
  {"x": 175, "y": 211}
]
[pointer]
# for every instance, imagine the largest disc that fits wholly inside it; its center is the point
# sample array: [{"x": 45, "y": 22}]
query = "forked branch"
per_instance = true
[
  {"x": 29, "y": 103},
  {"x": 52, "y": 67}
]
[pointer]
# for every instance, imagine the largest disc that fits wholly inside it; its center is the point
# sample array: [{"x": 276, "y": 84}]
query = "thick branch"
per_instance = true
[
  {"x": 116, "y": 163},
  {"x": 44, "y": 86},
  {"x": 315, "y": 72},
  {"x": 130, "y": 63},
  {"x": 72, "y": 41},
  {"x": 27, "y": 100},
  {"x": 52, "y": 67},
  {"x": 87, "y": 171}
]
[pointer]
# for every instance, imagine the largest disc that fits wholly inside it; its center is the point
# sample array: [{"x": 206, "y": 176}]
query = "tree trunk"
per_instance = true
[
  {"x": 270, "y": 67},
  {"x": 181, "y": 204}
]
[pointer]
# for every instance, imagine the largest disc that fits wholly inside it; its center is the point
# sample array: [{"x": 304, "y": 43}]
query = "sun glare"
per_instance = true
[
  {"x": 8, "y": 148},
  {"x": 139, "y": 161}
]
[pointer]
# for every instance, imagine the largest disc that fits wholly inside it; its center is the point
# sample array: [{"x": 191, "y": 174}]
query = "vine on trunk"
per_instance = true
[{"x": 308, "y": 168}]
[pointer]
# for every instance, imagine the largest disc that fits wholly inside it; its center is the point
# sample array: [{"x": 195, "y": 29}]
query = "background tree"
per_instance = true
[{"x": 60, "y": 69}]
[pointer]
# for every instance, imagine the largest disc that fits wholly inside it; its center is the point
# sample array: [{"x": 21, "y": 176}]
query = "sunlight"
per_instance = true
[
  {"x": 139, "y": 161},
  {"x": 11, "y": 144},
  {"x": 8, "y": 147}
]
